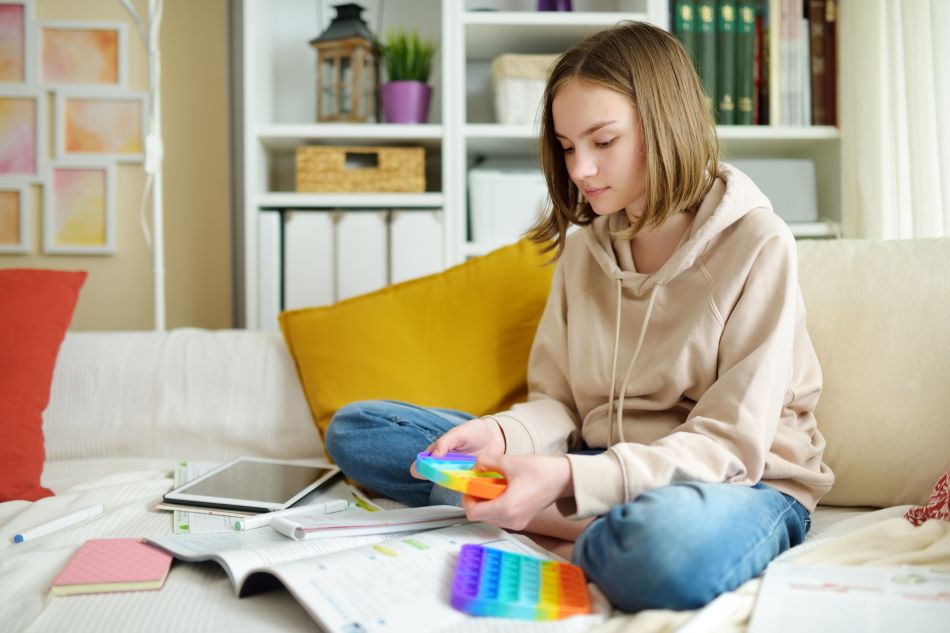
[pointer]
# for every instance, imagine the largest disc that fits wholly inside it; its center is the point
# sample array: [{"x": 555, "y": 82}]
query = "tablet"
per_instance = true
[{"x": 253, "y": 485}]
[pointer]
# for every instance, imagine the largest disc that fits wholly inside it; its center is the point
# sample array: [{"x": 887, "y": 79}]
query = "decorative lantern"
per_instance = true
[{"x": 346, "y": 68}]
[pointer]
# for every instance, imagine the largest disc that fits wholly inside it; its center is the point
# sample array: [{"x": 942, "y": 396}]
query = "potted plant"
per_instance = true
[{"x": 408, "y": 62}]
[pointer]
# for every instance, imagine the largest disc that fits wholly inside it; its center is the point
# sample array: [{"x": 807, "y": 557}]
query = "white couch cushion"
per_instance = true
[
  {"x": 186, "y": 394},
  {"x": 879, "y": 317}
]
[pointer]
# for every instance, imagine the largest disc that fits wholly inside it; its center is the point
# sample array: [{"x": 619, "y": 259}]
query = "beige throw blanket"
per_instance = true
[{"x": 887, "y": 543}]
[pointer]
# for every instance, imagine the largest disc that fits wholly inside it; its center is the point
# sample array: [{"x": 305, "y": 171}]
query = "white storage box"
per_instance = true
[
  {"x": 518, "y": 86},
  {"x": 506, "y": 198},
  {"x": 789, "y": 184}
]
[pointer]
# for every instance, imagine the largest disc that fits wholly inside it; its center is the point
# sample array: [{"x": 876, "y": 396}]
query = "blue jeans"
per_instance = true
[{"x": 675, "y": 547}]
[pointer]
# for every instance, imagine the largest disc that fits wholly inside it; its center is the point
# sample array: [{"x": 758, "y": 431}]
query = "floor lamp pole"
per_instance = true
[{"x": 155, "y": 147}]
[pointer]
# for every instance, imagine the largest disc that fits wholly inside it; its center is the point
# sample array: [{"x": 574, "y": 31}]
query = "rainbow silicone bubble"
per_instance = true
[
  {"x": 492, "y": 582},
  {"x": 454, "y": 471}
]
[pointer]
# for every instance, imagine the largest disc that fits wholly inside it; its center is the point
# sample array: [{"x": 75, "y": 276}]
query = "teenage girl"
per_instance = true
[{"x": 669, "y": 431}]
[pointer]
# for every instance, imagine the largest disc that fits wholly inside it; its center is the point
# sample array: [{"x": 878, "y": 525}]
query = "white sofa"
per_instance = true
[{"x": 125, "y": 407}]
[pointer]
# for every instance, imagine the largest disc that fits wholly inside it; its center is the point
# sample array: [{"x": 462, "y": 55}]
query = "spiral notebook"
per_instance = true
[{"x": 110, "y": 565}]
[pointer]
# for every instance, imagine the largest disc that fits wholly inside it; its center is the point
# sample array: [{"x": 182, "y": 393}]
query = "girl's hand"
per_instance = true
[
  {"x": 534, "y": 483},
  {"x": 481, "y": 436}
]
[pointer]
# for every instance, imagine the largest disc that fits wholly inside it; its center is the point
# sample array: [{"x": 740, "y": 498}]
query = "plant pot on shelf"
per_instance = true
[{"x": 405, "y": 101}]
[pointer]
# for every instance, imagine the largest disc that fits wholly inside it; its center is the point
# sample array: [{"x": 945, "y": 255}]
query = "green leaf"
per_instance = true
[{"x": 407, "y": 56}]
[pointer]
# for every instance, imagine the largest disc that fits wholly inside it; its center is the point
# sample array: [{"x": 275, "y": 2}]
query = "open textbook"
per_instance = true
[{"x": 366, "y": 584}]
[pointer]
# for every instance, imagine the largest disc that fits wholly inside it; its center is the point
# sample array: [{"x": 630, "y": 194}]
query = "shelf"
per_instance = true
[
  {"x": 599, "y": 19},
  {"x": 278, "y": 94},
  {"x": 291, "y": 200},
  {"x": 496, "y": 130},
  {"x": 804, "y": 133},
  {"x": 822, "y": 228},
  {"x": 491, "y": 33},
  {"x": 501, "y": 140},
  {"x": 289, "y": 136},
  {"x": 507, "y": 140}
]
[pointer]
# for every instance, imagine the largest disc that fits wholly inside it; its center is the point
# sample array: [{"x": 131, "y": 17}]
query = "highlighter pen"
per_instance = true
[
  {"x": 58, "y": 524},
  {"x": 262, "y": 520}
]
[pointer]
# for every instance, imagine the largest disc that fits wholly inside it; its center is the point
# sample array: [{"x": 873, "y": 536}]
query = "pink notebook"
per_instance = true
[{"x": 114, "y": 564}]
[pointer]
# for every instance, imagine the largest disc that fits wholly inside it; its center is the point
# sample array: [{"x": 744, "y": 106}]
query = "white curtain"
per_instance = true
[{"x": 894, "y": 80}]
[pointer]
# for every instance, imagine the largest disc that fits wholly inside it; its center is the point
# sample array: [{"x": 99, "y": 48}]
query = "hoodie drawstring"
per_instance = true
[
  {"x": 613, "y": 371},
  {"x": 626, "y": 378}
]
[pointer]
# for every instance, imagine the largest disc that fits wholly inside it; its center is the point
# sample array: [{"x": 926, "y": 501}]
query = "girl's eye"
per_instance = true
[
  {"x": 568, "y": 150},
  {"x": 606, "y": 143}
]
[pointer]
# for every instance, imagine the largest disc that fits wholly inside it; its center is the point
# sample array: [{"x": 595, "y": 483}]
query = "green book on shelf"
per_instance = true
[
  {"x": 706, "y": 48},
  {"x": 684, "y": 25},
  {"x": 726, "y": 62},
  {"x": 745, "y": 63}
]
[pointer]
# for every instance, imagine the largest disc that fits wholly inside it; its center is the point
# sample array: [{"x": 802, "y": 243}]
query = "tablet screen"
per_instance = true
[{"x": 248, "y": 483}]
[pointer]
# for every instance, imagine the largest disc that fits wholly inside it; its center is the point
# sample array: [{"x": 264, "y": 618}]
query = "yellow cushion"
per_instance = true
[{"x": 458, "y": 339}]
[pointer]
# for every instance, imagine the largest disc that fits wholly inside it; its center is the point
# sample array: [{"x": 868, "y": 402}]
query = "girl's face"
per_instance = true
[{"x": 599, "y": 130}]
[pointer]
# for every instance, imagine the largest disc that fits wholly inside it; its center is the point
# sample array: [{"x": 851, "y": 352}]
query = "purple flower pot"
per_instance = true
[
  {"x": 405, "y": 101},
  {"x": 554, "y": 5}
]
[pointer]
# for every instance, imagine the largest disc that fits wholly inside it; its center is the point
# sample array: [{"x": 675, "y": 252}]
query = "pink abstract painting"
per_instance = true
[
  {"x": 17, "y": 136},
  {"x": 88, "y": 56},
  {"x": 79, "y": 207},
  {"x": 9, "y": 218},
  {"x": 11, "y": 42},
  {"x": 110, "y": 126}
]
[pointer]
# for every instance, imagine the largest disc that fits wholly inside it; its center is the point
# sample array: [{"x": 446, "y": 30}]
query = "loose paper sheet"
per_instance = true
[{"x": 830, "y": 599}]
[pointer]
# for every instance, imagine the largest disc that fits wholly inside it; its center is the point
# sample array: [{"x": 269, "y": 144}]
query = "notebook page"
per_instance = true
[{"x": 403, "y": 585}]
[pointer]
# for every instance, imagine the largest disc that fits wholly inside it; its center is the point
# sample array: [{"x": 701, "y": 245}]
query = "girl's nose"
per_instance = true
[{"x": 584, "y": 166}]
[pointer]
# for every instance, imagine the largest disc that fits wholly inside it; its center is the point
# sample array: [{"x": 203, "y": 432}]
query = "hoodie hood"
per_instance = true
[{"x": 731, "y": 197}]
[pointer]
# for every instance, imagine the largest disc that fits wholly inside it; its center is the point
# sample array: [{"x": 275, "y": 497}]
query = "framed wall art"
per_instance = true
[
  {"x": 15, "y": 234},
  {"x": 22, "y": 132},
  {"x": 79, "y": 213},
  {"x": 101, "y": 126},
  {"x": 83, "y": 53},
  {"x": 17, "y": 50}
]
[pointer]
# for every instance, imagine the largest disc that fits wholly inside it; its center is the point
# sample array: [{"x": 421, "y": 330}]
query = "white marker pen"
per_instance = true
[
  {"x": 262, "y": 520},
  {"x": 58, "y": 524}
]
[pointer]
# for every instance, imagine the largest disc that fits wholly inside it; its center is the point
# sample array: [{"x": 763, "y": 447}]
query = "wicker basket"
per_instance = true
[
  {"x": 324, "y": 168},
  {"x": 518, "y": 85}
]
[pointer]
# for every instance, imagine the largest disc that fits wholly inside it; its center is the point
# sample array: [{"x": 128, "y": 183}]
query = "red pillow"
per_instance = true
[{"x": 36, "y": 307}]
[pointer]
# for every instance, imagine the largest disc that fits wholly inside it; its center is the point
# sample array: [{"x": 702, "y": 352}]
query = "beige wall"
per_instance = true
[{"x": 118, "y": 292}]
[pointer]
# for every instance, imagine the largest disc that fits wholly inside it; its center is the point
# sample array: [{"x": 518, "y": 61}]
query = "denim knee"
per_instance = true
[
  {"x": 374, "y": 442},
  {"x": 343, "y": 433},
  {"x": 639, "y": 565},
  {"x": 680, "y": 546}
]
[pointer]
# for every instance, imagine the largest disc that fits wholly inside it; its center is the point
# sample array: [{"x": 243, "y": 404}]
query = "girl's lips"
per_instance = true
[{"x": 590, "y": 193}]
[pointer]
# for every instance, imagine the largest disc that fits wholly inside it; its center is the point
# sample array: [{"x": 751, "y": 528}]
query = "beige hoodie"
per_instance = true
[{"x": 713, "y": 375}]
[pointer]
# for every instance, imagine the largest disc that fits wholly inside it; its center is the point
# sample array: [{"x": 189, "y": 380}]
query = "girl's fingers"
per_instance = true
[{"x": 489, "y": 463}]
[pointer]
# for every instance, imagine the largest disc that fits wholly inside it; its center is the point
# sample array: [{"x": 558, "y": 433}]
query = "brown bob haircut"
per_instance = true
[{"x": 681, "y": 150}]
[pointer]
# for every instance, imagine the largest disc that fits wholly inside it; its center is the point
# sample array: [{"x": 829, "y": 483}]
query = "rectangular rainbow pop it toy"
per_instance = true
[
  {"x": 493, "y": 582},
  {"x": 454, "y": 471}
]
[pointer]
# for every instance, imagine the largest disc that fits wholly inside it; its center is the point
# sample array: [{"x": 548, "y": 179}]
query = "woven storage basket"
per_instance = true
[
  {"x": 324, "y": 168},
  {"x": 518, "y": 85}
]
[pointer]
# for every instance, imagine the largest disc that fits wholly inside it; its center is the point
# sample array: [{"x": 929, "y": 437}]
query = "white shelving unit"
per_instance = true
[{"x": 277, "y": 100}]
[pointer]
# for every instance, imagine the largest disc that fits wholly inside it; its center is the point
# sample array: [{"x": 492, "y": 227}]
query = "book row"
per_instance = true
[{"x": 763, "y": 62}]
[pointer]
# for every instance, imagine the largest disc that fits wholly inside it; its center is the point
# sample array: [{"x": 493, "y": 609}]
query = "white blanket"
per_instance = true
[{"x": 195, "y": 597}]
